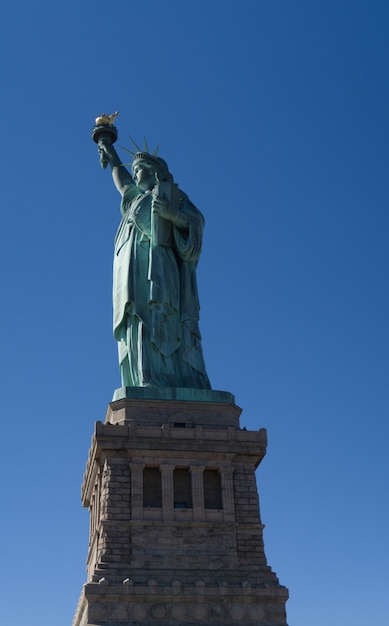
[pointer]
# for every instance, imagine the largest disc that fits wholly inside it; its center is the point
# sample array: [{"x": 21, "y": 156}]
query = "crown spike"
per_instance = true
[
  {"x": 156, "y": 150},
  {"x": 145, "y": 143},
  {"x": 127, "y": 150},
  {"x": 136, "y": 146}
]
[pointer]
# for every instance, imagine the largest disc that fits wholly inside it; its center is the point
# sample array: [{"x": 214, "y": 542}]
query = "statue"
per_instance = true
[{"x": 157, "y": 247}]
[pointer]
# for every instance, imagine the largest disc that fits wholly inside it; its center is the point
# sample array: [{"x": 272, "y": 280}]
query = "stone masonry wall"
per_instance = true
[
  {"x": 200, "y": 546},
  {"x": 113, "y": 541},
  {"x": 249, "y": 530}
]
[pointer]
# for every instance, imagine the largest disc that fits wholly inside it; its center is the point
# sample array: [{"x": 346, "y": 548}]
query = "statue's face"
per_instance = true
[{"x": 144, "y": 176}]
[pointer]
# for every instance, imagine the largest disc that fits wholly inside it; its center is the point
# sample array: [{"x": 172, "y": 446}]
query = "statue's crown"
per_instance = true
[{"x": 144, "y": 156}]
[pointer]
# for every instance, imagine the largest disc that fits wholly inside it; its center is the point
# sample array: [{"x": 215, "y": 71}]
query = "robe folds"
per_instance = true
[{"x": 155, "y": 298}]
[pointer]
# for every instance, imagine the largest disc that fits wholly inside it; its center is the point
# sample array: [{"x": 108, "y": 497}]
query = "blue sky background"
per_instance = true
[{"x": 273, "y": 117}]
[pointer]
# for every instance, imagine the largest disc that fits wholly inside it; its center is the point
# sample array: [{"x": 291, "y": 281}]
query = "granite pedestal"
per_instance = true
[{"x": 175, "y": 528}]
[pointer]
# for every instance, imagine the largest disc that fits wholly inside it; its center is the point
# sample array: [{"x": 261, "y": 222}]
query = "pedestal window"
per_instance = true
[
  {"x": 152, "y": 487},
  {"x": 212, "y": 490},
  {"x": 182, "y": 489}
]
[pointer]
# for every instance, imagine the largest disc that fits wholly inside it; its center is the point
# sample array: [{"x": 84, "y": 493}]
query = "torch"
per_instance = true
[{"x": 105, "y": 129}]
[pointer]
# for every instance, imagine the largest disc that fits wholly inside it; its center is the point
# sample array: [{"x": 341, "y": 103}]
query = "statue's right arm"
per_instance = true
[{"x": 121, "y": 176}]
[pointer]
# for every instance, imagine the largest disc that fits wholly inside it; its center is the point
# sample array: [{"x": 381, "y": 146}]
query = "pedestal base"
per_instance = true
[
  {"x": 138, "y": 606},
  {"x": 176, "y": 535}
]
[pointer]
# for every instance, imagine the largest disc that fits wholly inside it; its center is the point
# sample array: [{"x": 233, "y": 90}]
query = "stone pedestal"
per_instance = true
[{"x": 175, "y": 529}]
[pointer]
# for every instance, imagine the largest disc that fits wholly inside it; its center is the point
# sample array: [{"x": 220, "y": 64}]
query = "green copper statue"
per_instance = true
[{"x": 157, "y": 247}]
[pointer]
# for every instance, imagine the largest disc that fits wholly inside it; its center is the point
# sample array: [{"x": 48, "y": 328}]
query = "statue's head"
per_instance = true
[{"x": 154, "y": 164}]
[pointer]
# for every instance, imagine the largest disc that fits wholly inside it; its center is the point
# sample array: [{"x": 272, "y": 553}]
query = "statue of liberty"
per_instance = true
[{"x": 157, "y": 247}]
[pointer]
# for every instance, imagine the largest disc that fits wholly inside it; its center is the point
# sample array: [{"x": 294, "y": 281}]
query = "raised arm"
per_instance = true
[{"x": 121, "y": 176}]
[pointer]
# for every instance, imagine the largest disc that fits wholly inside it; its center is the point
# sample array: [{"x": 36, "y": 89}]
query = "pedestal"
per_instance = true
[{"x": 175, "y": 529}]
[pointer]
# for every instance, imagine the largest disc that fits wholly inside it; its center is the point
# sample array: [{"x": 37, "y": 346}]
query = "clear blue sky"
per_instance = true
[{"x": 273, "y": 117}]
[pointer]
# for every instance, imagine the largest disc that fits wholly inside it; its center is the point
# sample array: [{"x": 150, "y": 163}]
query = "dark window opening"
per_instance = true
[
  {"x": 182, "y": 489},
  {"x": 212, "y": 490},
  {"x": 152, "y": 487}
]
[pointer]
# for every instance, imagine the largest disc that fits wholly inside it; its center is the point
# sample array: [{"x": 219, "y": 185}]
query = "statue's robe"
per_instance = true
[{"x": 155, "y": 298}]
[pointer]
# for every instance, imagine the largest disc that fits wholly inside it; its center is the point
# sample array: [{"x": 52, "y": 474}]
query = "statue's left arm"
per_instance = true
[
  {"x": 161, "y": 207},
  {"x": 188, "y": 242}
]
